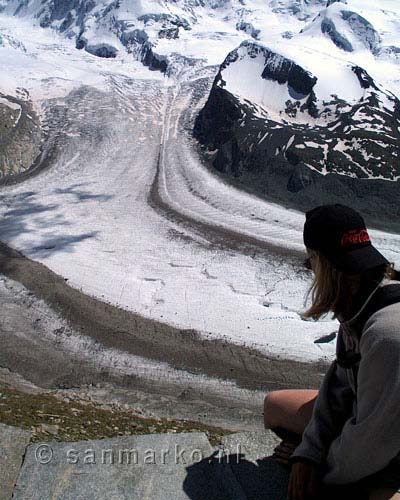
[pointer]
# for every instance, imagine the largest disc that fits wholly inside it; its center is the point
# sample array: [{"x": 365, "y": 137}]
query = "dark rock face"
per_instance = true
[
  {"x": 83, "y": 9},
  {"x": 57, "y": 10},
  {"x": 391, "y": 49},
  {"x": 351, "y": 156},
  {"x": 295, "y": 7},
  {"x": 358, "y": 26},
  {"x": 21, "y": 6},
  {"x": 283, "y": 70},
  {"x": 390, "y": 52},
  {"x": 81, "y": 43},
  {"x": 138, "y": 44},
  {"x": 136, "y": 36},
  {"x": 137, "y": 41},
  {"x": 67, "y": 23},
  {"x": 249, "y": 29},
  {"x": 169, "y": 33},
  {"x": 102, "y": 50},
  {"x": 328, "y": 27},
  {"x": 217, "y": 119},
  {"x": 365, "y": 80},
  {"x": 167, "y": 19},
  {"x": 153, "y": 61},
  {"x": 277, "y": 68},
  {"x": 61, "y": 8},
  {"x": 363, "y": 29}
]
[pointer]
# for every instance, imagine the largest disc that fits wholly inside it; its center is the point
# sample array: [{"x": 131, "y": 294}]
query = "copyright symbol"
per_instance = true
[{"x": 44, "y": 454}]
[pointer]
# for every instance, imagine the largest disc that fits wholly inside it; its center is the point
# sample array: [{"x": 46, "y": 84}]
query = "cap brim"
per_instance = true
[{"x": 361, "y": 259}]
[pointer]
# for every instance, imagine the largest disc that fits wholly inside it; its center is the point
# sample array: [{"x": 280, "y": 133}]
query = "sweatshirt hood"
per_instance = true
[{"x": 352, "y": 322}]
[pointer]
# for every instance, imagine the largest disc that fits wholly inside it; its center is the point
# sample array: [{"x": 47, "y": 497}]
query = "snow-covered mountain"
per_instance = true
[
  {"x": 277, "y": 109},
  {"x": 306, "y": 91},
  {"x": 282, "y": 116},
  {"x": 165, "y": 34}
]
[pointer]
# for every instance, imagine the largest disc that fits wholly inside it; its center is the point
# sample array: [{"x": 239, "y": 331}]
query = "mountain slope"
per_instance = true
[{"x": 306, "y": 125}]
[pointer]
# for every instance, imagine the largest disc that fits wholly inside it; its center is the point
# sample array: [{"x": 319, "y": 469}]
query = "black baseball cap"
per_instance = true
[{"x": 340, "y": 234}]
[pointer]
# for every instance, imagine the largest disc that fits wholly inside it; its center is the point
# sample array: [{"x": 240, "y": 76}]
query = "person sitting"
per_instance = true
[{"x": 347, "y": 434}]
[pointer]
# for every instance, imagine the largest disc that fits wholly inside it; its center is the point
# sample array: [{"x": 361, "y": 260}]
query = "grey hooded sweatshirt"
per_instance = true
[{"x": 353, "y": 432}]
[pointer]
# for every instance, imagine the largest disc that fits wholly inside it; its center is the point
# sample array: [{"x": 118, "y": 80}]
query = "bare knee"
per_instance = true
[
  {"x": 289, "y": 409},
  {"x": 273, "y": 409}
]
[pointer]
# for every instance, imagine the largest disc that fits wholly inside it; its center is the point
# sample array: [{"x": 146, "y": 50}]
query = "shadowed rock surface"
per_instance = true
[{"x": 20, "y": 135}]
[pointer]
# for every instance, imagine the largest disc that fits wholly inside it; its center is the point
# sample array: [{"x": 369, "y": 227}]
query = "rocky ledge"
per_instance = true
[
  {"x": 164, "y": 466},
  {"x": 20, "y": 135}
]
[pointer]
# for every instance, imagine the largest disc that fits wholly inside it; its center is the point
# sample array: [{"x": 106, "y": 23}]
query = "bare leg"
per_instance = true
[
  {"x": 289, "y": 409},
  {"x": 287, "y": 413},
  {"x": 385, "y": 494}
]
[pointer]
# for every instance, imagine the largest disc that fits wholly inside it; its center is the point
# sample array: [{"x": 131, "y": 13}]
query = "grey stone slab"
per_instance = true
[
  {"x": 254, "y": 445},
  {"x": 249, "y": 456},
  {"x": 153, "y": 467},
  {"x": 13, "y": 443}
]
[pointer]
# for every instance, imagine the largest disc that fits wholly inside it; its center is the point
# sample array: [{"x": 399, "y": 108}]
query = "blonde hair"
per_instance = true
[{"x": 336, "y": 291}]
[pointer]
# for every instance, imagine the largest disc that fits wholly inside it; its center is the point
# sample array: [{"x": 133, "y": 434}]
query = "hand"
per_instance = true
[
  {"x": 283, "y": 452},
  {"x": 304, "y": 482}
]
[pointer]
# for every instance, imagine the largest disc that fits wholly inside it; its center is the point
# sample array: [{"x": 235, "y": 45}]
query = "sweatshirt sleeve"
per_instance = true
[
  {"x": 371, "y": 439},
  {"x": 332, "y": 408}
]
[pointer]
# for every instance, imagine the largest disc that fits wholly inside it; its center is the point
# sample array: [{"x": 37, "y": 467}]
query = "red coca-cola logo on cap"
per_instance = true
[{"x": 354, "y": 237}]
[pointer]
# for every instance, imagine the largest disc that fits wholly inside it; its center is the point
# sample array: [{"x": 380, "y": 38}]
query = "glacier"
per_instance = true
[{"x": 122, "y": 202}]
